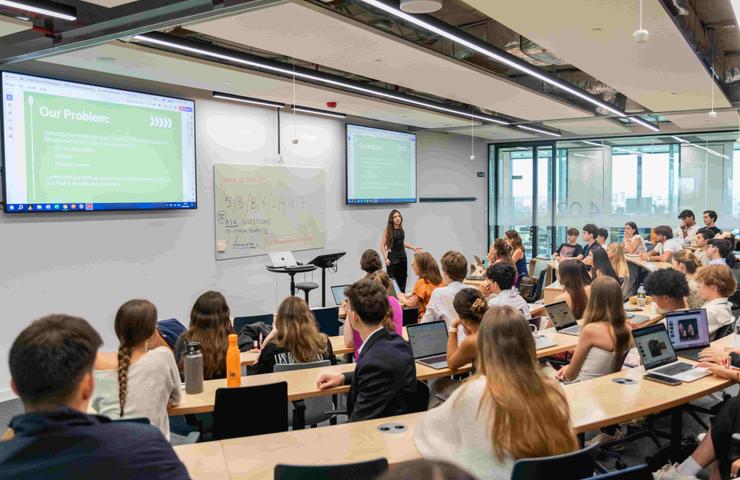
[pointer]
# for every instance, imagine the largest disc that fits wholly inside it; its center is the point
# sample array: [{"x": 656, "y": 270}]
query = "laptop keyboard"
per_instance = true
[
  {"x": 435, "y": 359},
  {"x": 674, "y": 369},
  {"x": 573, "y": 329}
]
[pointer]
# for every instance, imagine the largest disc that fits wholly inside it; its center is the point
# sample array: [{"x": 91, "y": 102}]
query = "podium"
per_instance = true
[{"x": 323, "y": 262}]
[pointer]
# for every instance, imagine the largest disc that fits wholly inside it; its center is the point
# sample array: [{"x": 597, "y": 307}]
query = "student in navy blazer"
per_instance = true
[{"x": 385, "y": 375}]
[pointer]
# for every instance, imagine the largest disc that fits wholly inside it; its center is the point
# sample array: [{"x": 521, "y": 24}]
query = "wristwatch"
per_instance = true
[{"x": 452, "y": 330}]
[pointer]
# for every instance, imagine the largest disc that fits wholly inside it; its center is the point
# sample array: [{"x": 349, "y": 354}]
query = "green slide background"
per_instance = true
[
  {"x": 146, "y": 162},
  {"x": 385, "y": 171}
]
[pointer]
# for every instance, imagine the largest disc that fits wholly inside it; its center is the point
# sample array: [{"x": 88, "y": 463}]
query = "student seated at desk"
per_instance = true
[
  {"x": 470, "y": 306},
  {"x": 688, "y": 227},
  {"x": 495, "y": 417},
  {"x": 668, "y": 288},
  {"x": 210, "y": 325},
  {"x": 51, "y": 366},
  {"x": 666, "y": 246},
  {"x": 615, "y": 252},
  {"x": 370, "y": 263},
  {"x": 425, "y": 267},
  {"x": 600, "y": 264},
  {"x": 718, "y": 252},
  {"x": 500, "y": 283},
  {"x": 715, "y": 283},
  {"x": 137, "y": 381},
  {"x": 589, "y": 236},
  {"x": 297, "y": 339},
  {"x": 576, "y": 287},
  {"x": 571, "y": 248},
  {"x": 393, "y": 321},
  {"x": 633, "y": 241},
  {"x": 710, "y": 221},
  {"x": 700, "y": 240},
  {"x": 454, "y": 269},
  {"x": 518, "y": 255},
  {"x": 686, "y": 262},
  {"x": 605, "y": 337},
  {"x": 385, "y": 375},
  {"x": 601, "y": 235}
]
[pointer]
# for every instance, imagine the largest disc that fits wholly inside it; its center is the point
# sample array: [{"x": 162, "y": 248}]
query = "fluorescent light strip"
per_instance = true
[
  {"x": 38, "y": 9},
  {"x": 532, "y": 129},
  {"x": 298, "y": 74},
  {"x": 595, "y": 144},
  {"x": 252, "y": 101},
  {"x": 736, "y": 8},
  {"x": 493, "y": 55},
  {"x": 679, "y": 139},
  {"x": 708, "y": 150},
  {"x": 645, "y": 124},
  {"x": 319, "y": 112}
]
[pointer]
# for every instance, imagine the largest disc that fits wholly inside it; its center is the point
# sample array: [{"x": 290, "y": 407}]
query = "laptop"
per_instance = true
[
  {"x": 541, "y": 341},
  {"x": 337, "y": 291},
  {"x": 396, "y": 288},
  {"x": 563, "y": 318},
  {"x": 429, "y": 343},
  {"x": 659, "y": 358},
  {"x": 689, "y": 332},
  {"x": 282, "y": 259}
]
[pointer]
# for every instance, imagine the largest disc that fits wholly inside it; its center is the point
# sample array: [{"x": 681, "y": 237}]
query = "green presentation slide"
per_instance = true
[
  {"x": 101, "y": 152},
  {"x": 384, "y": 167}
]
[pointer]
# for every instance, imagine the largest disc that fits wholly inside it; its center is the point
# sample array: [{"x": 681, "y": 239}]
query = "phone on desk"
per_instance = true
[{"x": 661, "y": 379}]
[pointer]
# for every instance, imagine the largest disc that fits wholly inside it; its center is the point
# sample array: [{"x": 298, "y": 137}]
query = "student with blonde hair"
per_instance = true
[
  {"x": 425, "y": 267},
  {"x": 605, "y": 337},
  {"x": 687, "y": 263},
  {"x": 496, "y": 417},
  {"x": 470, "y": 306},
  {"x": 137, "y": 381},
  {"x": 715, "y": 283}
]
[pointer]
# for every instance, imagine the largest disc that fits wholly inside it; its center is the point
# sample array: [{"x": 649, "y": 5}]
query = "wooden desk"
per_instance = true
[
  {"x": 593, "y": 404},
  {"x": 204, "y": 460},
  {"x": 302, "y": 383},
  {"x": 549, "y": 294},
  {"x": 649, "y": 266},
  {"x": 337, "y": 344}
]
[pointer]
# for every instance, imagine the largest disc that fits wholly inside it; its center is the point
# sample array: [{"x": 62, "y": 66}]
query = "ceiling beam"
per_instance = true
[{"x": 97, "y": 26}]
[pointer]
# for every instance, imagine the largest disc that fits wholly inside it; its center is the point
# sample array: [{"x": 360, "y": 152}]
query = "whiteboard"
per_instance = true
[{"x": 262, "y": 209}]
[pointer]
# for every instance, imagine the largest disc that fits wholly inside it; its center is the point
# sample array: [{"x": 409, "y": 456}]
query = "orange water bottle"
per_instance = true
[{"x": 233, "y": 363}]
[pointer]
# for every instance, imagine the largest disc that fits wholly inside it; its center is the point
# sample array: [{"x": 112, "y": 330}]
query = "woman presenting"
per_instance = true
[{"x": 393, "y": 245}]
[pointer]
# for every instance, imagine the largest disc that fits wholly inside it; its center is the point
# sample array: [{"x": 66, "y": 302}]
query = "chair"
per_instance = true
[
  {"x": 569, "y": 466},
  {"x": 639, "y": 472},
  {"x": 327, "y": 319},
  {"x": 313, "y": 409},
  {"x": 537, "y": 291},
  {"x": 245, "y": 411},
  {"x": 368, "y": 470},
  {"x": 649, "y": 246},
  {"x": 143, "y": 420},
  {"x": 724, "y": 330},
  {"x": 418, "y": 401},
  {"x": 239, "y": 322},
  {"x": 306, "y": 287},
  {"x": 410, "y": 316}
]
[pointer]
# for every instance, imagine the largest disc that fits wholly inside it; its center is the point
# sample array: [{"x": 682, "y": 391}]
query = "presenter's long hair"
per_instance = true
[
  {"x": 210, "y": 325},
  {"x": 508, "y": 361},
  {"x": 297, "y": 331},
  {"x": 135, "y": 323},
  {"x": 389, "y": 228}
]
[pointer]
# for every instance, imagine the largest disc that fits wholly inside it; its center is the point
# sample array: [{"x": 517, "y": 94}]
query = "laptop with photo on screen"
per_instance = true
[
  {"x": 282, "y": 259},
  {"x": 429, "y": 343},
  {"x": 337, "y": 291},
  {"x": 563, "y": 318},
  {"x": 659, "y": 358},
  {"x": 689, "y": 332}
]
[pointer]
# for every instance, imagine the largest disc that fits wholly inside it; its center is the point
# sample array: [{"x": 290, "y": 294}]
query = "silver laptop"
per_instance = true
[
  {"x": 282, "y": 259},
  {"x": 689, "y": 332},
  {"x": 563, "y": 318},
  {"x": 659, "y": 358},
  {"x": 337, "y": 291},
  {"x": 541, "y": 341},
  {"x": 429, "y": 343}
]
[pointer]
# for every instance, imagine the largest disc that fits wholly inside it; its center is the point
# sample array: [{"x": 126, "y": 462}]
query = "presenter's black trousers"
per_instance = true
[{"x": 398, "y": 270}]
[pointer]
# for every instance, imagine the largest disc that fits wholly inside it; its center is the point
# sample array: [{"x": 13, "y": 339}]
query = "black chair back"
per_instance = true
[
  {"x": 418, "y": 401},
  {"x": 239, "y": 322},
  {"x": 327, "y": 319},
  {"x": 143, "y": 420},
  {"x": 410, "y": 316},
  {"x": 639, "y": 472},
  {"x": 569, "y": 466},
  {"x": 538, "y": 288},
  {"x": 724, "y": 330},
  {"x": 245, "y": 411},
  {"x": 368, "y": 470}
]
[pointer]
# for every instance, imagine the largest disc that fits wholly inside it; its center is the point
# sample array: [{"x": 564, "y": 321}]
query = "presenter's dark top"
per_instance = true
[
  {"x": 397, "y": 253},
  {"x": 68, "y": 444}
]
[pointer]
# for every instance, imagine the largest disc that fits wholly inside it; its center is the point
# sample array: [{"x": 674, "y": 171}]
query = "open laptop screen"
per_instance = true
[
  {"x": 560, "y": 315},
  {"x": 654, "y": 346},
  {"x": 337, "y": 291},
  {"x": 428, "y": 339},
  {"x": 688, "y": 328}
]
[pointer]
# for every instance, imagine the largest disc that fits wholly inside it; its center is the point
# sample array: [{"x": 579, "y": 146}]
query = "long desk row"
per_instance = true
[{"x": 593, "y": 404}]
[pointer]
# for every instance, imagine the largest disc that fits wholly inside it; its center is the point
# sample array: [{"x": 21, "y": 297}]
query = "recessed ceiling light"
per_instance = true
[{"x": 420, "y": 6}]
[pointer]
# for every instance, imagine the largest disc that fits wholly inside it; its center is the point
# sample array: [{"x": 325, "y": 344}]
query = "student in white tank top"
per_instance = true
[{"x": 605, "y": 337}]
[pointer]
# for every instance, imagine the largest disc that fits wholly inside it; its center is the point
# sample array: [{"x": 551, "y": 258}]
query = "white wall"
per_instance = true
[{"x": 88, "y": 265}]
